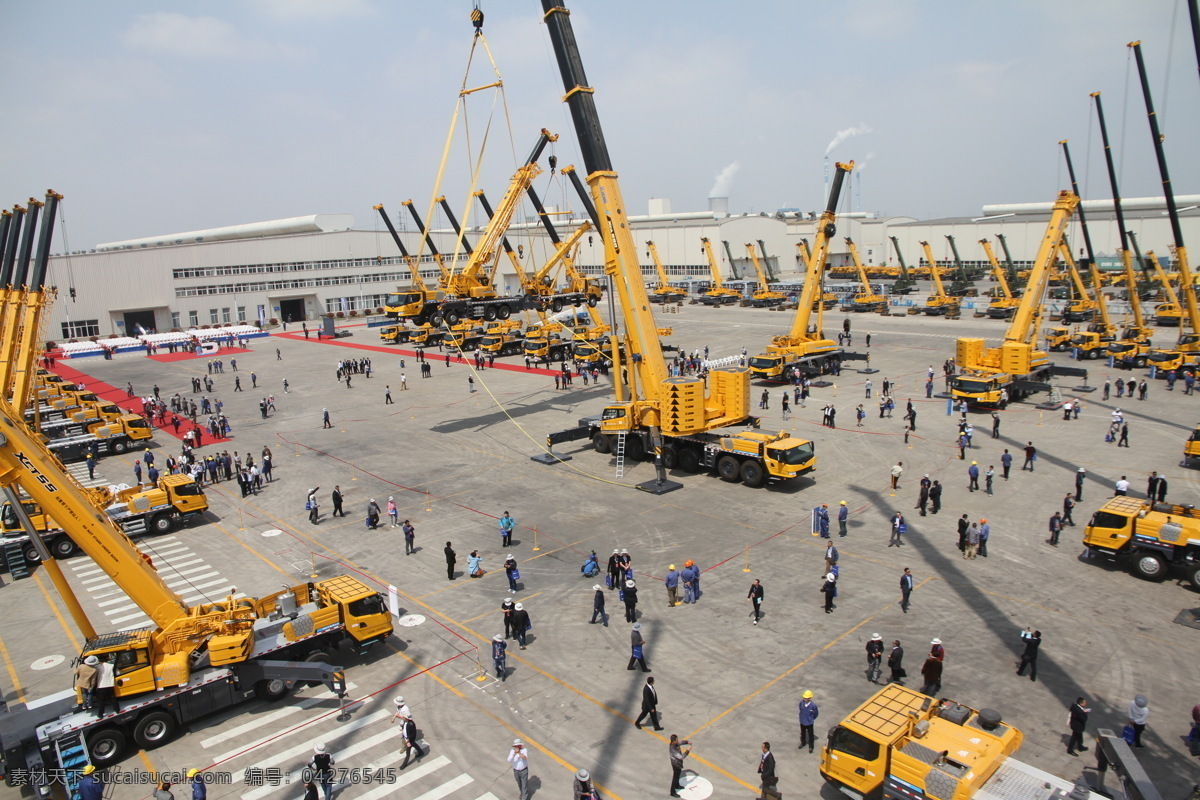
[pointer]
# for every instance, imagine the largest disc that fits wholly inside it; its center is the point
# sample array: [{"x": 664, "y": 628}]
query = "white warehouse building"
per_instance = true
[{"x": 301, "y": 268}]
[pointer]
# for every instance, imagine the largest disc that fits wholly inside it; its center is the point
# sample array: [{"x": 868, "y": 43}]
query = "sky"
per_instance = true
[{"x": 155, "y": 118}]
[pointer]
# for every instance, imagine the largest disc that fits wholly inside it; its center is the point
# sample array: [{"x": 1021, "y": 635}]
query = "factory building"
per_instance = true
[{"x": 305, "y": 267}]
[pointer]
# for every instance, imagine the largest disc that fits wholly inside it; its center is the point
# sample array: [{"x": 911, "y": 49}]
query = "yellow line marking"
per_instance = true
[
  {"x": 419, "y": 665},
  {"x": 146, "y": 760},
  {"x": 269, "y": 562},
  {"x": 12, "y": 673},
  {"x": 54, "y": 607}
]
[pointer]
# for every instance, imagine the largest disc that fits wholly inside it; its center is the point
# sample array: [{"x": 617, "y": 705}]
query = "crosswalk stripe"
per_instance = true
[
  {"x": 128, "y": 617},
  {"x": 104, "y": 603},
  {"x": 174, "y": 567},
  {"x": 95, "y": 580},
  {"x": 305, "y": 749},
  {"x": 112, "y": 612},
  {"x": 167, "y": 553},
  {"x": 207, "y": 584},
  {"x": 452, "y": 785},
  {"x": 192, "y": 570},
  {"x": 486, "y": 796},
  {"x": 183, "y": 578},
  {"x": 269, "y": 719},
  {"x": 404, "y": 778},
  {"x": 134, "y": 627},
  {"x": 87, "y": 570}
]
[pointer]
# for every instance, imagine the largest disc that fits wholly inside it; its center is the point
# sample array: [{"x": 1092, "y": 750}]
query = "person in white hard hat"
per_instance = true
[
  {"x": 874, "y": 657},
  {"x": 519, "y": 759},
  {"x": 85, "y": 681},
  {"x": 403, "y": 712},
  {"x": 322, "y": 770}
]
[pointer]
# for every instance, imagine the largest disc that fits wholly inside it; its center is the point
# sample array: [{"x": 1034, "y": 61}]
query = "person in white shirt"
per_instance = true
[
  {"x": 519, "y": 759},
  {"x": 1122, "y": 487},
  {"x": 105, "y": 680}
]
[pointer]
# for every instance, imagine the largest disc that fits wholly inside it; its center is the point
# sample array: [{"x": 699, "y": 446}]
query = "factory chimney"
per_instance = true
[{"x": 719, "y": 206}]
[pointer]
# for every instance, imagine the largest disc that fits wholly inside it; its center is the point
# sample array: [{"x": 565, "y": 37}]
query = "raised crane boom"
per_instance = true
[{"x": 826, "y": 229}]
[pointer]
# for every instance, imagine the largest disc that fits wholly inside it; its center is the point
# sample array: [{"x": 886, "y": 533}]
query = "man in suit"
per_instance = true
[
  {"x": 450, "y": 560},
  {"x": 1079, "y": 718},
  {"x": 649, "y": 706},
  {"x": 766, "y": 771},
  {"x": 906, "y": 587},
  {"x": 896, "y": 663}
]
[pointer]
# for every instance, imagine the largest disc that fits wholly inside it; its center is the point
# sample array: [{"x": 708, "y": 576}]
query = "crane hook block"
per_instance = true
[{"x": 477, "y": 18}]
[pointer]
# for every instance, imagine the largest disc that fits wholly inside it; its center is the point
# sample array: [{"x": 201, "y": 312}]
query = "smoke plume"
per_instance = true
[
  {"x": 845, "y": 134},
  {"x": 724, "y": 180}
]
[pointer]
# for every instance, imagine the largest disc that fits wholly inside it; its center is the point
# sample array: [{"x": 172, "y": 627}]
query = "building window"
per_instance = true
[
  {"x": 193, "y": 319},
  {"x": 213, "y": 316},
  {"x": 241, "y": 313},
  {"x": 174, "y": 319},
  {"x": 225, "y": 315},
  {"x": 81, "y": 329}
]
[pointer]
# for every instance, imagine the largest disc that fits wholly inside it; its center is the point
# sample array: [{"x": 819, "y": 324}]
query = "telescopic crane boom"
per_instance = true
[
  {"x": 672, "y": 416},
  {"x": 718, "y": 295},
  {"x": 763, "y": 296},
  {"x": 940, "y": 303},
  {"x": 866, "y": 300},
  {"x": 664, "y": 292},
  {"x": 1005, "y": 305}
]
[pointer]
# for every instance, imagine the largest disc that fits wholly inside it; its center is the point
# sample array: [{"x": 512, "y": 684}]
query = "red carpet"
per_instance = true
[
  {"x": 177, "y": 356},
  {"x": 133, "y": 404}
]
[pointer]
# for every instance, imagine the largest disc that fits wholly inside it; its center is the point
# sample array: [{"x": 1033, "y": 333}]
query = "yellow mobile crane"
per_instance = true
[
  {"x": 1004, "y": 305},
  {"x": 674, "y": 417},
  {"x": 196, "y": 660},
  {"x": 1168, "y": 314},
  {"x": 718, "y": 295},
  {"x": 804, "y": 349},
  {"x": 1015, "y": 369},
  {"x": 866, "y": 300},
  {"x": 763, "y": 297},
  {"x": 1184, "y": 356},
  {"x": 664, "y": 292},
  {"x": 939, "y": 303}
]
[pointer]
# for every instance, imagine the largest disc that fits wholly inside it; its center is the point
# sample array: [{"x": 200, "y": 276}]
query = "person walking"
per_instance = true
[
  {"x": 1068, "y": 506},
  {"x": 935, "y": 497},
  {"x": 373, "y": 513},
  {"x": 507, "y": 523},
  {"x": 321, "y": 765},
  {"x": 325, "y": 418},
  {"x": 831, "y": 557},
  {"x": 843, "y": 517},
  {"x": 649, "y": 705},
  {"x": 1139, "y": 711},
  {"x": 672, "y": 583},
  {"x": 677, "y": 751},
  {"x": 1055, "y": 527},
  {"x": 1078, "y": 722},
  {"x": 1006, "y": 460},
  {"x": 314, "y": 508},
  {"x": 1162, "y": 489},
  {"x": 895, "y": 663},
  {"x": 874, "y": 657},
  {"x": 519, "y": 759},
  {"x": 906, "y": 589},
  {"x": 995, "y": 425},
  {"x": 511, "y": 572},
  {"x": 755, "y": 596},
  {"x": 408, "y": 728},
  {"x": 629, "y": 598},
  {"x": 521, "y": 624},
  {"x": 598, "y": 606},
  {"x": 766, "y": 773},
  {"x": 829, "y": 589},
  {"x": 1123, "y": 441},
  {"x": 985, "y": 533},
  {"x": 808, "y": 717},
  {"x": 897, "y": 471},
  {"x": 410, "y": 538},
  {"x": 932, "y": 673},
  {"x": 898, "y": 530},
  {"x": 1030, "y": 456},
  {"x": 499, "y": 657},
  {"x": 989, "y": 478},
  {"x": 1032, "y": 640},
  {"x": 451, "y": 558},
  {"x": 1080, "y": 476},
  {"x": 973, "y": 476}
]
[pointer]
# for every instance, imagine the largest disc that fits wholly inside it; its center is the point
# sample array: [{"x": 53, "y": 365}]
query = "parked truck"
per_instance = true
[
  {"x": 903, "y": 745},
  {"x": 1151, "y": 540},
  {"x": 138, "y": 510},
  {"x": 116, "y": 436}
]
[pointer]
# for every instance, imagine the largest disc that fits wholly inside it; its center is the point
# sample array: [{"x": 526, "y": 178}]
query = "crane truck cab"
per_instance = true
[
  {"x": 785, "y": 362},
  {"x": 1058, "y": 338},
  {"x": 1152, "y": 540},
  {"x": 1191, "y": 449},
  {"x": 395, "y": 334}
]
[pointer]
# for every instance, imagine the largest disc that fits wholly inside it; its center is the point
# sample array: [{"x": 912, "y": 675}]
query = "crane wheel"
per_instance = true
[
  {"x": 635, "y": 450},
  {"x": 161, "y": 523},
  {"x": 1194, "y": 576},
  {"x": 436, "y": 320},
  {"x": 119, "y": 447},
  {"x": 670, "y": 457},
  {"x": 106, "y": 746},
  {"x": 689, "y": 460},
  {"x": 154, "y": 730},
  {"x": 592, "y": 302},
  {"x": 489, "y": 313},
  {"x": 271, "y": 689},
  {"x": 63, "y": 547},
  {"x": 504, "y": 312},
  {"x": 1150, "y": 566},
  {"x": 32, "y": 555},
  {"x": 556, "y": 304},
  {"x": 729, "y": 469},
  {"x": 1139, "y": 362},
  {"x": 601, "y": 443},
  {"x": 451, "y": 317},
  {"x": 753, "y": 473}
]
